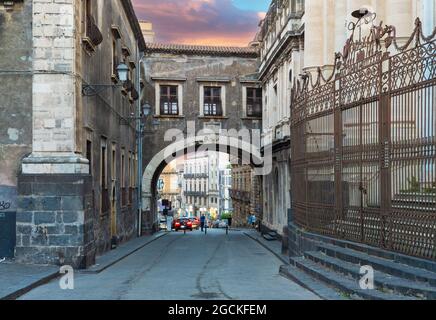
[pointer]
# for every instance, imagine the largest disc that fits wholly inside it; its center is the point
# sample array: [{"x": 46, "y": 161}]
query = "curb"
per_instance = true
[
  {"x": 323, "y": 291},
  {"x": 15, "y": 295},
  {"x": 102, "y": 268},
  {"x": 279, "y": 256}
]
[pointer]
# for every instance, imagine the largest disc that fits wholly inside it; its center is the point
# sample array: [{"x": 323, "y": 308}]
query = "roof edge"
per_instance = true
[
  {"x": 134, "y": 23},
  {"x": 248, "y": 52}
]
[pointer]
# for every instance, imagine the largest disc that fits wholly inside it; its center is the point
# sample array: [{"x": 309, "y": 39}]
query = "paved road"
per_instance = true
[{"x": 186, "y": 267}]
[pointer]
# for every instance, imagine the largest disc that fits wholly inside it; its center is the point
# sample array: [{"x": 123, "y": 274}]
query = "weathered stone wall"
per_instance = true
[
  {"x": 277, "y": 192},
  {"x": 52, "y": 220},
  {"x": 186, "y": 70},
  {"x": 106, "y": 115},
  {"x": 15, "y": 97},
  {"x": 61, "y": 217}
]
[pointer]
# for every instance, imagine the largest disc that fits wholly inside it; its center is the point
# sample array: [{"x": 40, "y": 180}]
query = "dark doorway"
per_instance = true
[{"x": 7, "y": 234}]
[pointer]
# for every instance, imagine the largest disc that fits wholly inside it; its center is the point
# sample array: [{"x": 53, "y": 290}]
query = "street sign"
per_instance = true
[{"x": 160, "y": 185}]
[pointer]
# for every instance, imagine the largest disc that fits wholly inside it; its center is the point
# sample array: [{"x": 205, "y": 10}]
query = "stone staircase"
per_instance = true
[
  {"x": 337, "y": 265},
  {"x": 271, "y": 236}
]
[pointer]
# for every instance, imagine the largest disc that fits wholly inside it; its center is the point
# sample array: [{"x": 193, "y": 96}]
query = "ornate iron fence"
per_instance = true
[{"x": 364, "y": 144}]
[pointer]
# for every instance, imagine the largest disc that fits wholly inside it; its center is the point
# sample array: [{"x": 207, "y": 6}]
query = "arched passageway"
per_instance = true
[{"x": 246, "y": 153}]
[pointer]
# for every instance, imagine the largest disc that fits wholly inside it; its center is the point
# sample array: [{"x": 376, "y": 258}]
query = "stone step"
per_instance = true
[
  {"x": 381, "y": 264},
  {"x": 378, "y": 252},
  {"x": 312, "y": 284},
  {"x": 271, "y": 236},
  {"x": 382, "y": 280},
  {"x": 341, "y": 282}
]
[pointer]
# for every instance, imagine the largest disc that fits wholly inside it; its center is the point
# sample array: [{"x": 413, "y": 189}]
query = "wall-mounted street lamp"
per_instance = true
[
  {"x": 145, "y": 112},
  {"x": 94, "y": 89},
  {"x": 364, "y": 16}
]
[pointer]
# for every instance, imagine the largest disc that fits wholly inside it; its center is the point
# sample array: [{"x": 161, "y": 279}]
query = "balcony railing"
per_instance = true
[
  {"x": 195, "y": 194},
  {"x": 196, "y": 176},
  {"x": 93, "y": 36}
]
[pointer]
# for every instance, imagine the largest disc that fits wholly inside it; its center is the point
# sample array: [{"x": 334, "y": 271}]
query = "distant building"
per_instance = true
[
  {"x": 147, "y": 31},
  {"x": 246, "y": 194},
  {"x": 168, "y": 185},
  {"x": 225, "y": 186}
]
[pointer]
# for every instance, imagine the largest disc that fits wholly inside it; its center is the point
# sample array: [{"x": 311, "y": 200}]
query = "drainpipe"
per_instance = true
[{"x": 139, "y": 141}]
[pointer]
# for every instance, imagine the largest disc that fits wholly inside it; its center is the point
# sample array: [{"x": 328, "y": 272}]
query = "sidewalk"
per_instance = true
[
  {"x": 273, "y": 246},
  {"x": 123, "y": 251},
  {"x": 18, "y": 279}
]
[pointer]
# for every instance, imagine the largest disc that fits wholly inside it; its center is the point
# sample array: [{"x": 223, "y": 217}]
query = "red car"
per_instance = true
[
  {"x": 182, "y": 224},
  {"x": 195, "y": 223}
]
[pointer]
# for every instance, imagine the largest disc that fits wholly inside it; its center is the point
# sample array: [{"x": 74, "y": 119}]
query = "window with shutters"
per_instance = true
[
  {"x": 212, "y": 101},
  {"x": 169, "y": 100},
  {"x": 254, "y": 102}
]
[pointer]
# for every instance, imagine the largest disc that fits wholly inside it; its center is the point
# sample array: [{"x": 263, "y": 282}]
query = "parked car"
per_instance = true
[
  {"x": 163, "y": 224},
  {"x": 182, "y": 224},
  {"x": 216, "y": 224},
  {"x": 195, "y": 223},
  {"x": 223, "y": 224}
]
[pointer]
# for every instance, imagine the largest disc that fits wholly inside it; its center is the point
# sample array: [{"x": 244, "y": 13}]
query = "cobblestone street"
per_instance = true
[{"x": 186, "y": 267}]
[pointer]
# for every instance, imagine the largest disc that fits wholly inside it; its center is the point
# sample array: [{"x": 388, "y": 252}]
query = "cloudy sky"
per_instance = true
[{"x": 206, "y": 22}]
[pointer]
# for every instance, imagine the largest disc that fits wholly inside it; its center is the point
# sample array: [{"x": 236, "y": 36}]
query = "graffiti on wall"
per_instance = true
[{"x": 5, "y": 205}]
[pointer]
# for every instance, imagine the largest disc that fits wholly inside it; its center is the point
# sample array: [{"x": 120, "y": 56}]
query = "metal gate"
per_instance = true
[
  {"x": 7, "y": 234},
  {"x": 366, "y": 168}
]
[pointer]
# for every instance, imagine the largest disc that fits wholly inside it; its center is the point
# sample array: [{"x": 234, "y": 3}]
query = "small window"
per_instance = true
[
  {"x": 114, "y": 162},
  {"x": 114, "y": 58},
  {"x": 254, "y": 102},
  {"x": 212, "y": 101},
  {"x": 103, "y": 164},
  {"x": 123, "y": 169},
  {"x": 169, "y": 100},
  {"x": 89, "y": 154}
]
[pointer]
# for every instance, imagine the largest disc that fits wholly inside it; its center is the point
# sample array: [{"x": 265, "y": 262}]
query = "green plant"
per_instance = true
[
  {"x": 431, "y": 189},
  {"x": 414, "y": 186},
  {"x": 226, "y": 215}
]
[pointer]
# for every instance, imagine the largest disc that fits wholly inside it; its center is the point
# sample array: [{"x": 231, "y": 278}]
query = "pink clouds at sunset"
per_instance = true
[{"x": 202, "y": 22}]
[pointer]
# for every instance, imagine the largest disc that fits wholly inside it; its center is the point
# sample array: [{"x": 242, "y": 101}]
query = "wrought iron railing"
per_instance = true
[{"x": 364, "y": 144}]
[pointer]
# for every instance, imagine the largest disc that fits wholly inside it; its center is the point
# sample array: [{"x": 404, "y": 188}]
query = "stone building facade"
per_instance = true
[
  {"x": 299, "y": 36},
  {"x": 169, "y": 188},
  {"x": 226, "y": 204},
  {"x": 246, "y": 194},
  {"x": 195, "y": 87},
  {"x": 73, "y": 176}
]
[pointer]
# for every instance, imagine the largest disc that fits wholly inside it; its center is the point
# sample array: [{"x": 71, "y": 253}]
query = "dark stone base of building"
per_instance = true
[
  {"x": 54, "y": 220},
  {"x": 149, "y": 226}
]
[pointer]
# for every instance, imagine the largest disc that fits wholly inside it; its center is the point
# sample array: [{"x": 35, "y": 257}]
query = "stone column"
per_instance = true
[
  {"x": 314, "y": 35},
  {"x": 55, "y": 194},
  {"x": 341, "y": 22},
  {"x": 399, "y": 14}
]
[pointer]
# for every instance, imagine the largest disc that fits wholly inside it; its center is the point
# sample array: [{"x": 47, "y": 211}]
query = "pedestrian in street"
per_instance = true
[
  {"x": 203, "y": 222},
  {"x": 253, "y": 221},
  {"x": 170, "y": 218}
]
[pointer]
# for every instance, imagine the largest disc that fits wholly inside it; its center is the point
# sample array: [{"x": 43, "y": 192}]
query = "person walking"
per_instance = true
[
  {"x": 203, "y": 222},
  {"x": 253, "y": 221},
  {"x": 170, "y": 219}
]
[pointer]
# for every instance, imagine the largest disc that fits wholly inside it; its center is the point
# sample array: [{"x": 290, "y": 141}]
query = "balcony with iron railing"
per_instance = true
[
  {"x": 196, "y": 194},
  {"x": 196, "y": 175},
  {"x": 93, "y": 36}
]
